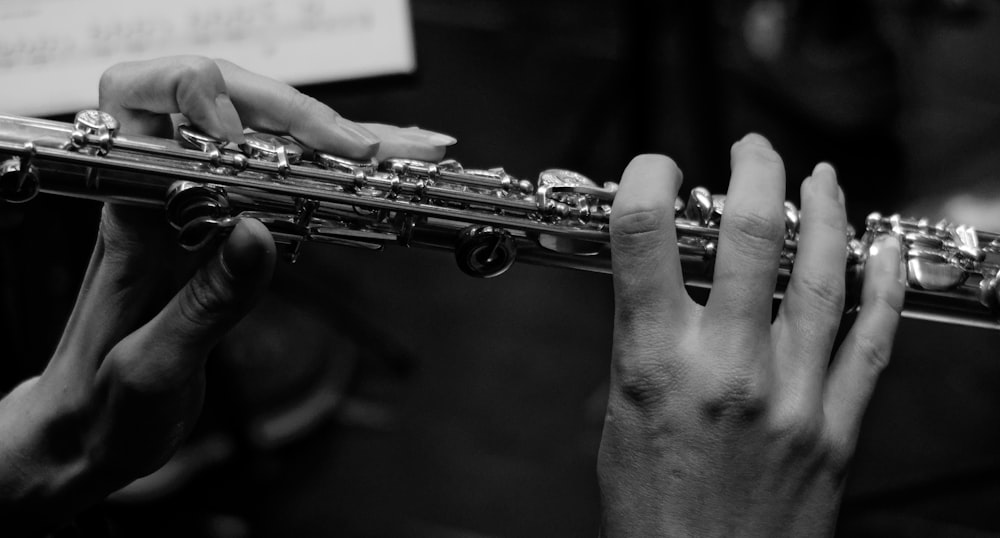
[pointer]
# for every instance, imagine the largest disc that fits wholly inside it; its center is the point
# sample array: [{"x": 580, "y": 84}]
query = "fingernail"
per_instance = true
[
  {"x": 426, "y": 136},
  {"x": 885, "y": 258},
  {"x": 230, "y": 119},
  {"x": 755, "y": 139},
  {"x": 840, "y": 195},
  {"x": 364, "y": 136},
  {"x": 243, "y": 253},
  {"x": 826, "y": 179},
  {"x": 432, "y": 137}
]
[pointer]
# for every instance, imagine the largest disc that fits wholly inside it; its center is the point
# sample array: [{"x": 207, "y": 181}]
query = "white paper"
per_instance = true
[{"x": 52, "y": 52}]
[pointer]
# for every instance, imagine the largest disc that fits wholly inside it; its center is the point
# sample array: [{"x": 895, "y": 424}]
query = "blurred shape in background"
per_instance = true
[{"x": 56, "y": 50}]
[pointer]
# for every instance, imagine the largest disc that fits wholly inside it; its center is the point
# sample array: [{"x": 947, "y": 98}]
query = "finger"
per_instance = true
[
  {"x": 172, "y": 347},
  {"x": 751, "y": 236},
  {"x": 127, "y": 265},
  {"x": 646, "y": 265},
  {"x": 133, "y": 247},
  {"x": 409, "y": 142},
  {"x": 141, "y": 95},
  {"x": 150, "y": 387},
  {"x": 269, "y": 105},
  {"x": 865, "y": 352},
  {"x": 814, "y": 301},
  {"x": 218, "y": 296}
]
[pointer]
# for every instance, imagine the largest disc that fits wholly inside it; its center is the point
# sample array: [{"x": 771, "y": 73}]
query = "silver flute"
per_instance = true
[{"x": 487, "y": 218}]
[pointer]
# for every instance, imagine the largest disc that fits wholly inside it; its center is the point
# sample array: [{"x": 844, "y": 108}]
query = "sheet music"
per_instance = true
[{"x": 52, "y": 52}]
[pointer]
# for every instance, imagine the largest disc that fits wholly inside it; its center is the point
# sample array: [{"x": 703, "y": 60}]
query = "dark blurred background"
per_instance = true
[{"x": 387, "y": 394}]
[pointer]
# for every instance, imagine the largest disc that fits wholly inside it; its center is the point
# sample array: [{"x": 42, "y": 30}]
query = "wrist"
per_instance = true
[{"x": 46, "y": 477}]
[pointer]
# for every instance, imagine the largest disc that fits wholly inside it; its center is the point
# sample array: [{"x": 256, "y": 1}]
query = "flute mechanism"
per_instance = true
[{"x": 488, "y": 218}]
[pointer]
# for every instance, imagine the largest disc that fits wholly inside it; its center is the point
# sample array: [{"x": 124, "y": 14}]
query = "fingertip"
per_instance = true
[
  {"x": 754, "y": 139},
  {"x": 885, "y": 273},
  {"x": 885, "y": 247},
  {"x": 756, "y": 151},
  {"x": 410, "y": 142},
  {"x": 650, "y": 183},
  {"x": 436, "y": 153},
  {"x": 644, "y": 254},
  {"x": 367, "y": 151},
  {"x": 652, "y": 165},
  {"x": 249, "y": 251},
  {"x": 824, "y": 168},
  {"x": 823, "y": 181},
  {"x": 648, "y": 189},
  {"x": 867, "y": 349}
]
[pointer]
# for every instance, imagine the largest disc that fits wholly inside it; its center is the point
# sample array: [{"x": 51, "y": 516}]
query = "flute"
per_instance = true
[{"x": 487, "y": 218}]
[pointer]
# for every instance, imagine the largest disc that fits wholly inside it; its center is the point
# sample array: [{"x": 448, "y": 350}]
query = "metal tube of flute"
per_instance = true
[{"x": 487, "y": 218}]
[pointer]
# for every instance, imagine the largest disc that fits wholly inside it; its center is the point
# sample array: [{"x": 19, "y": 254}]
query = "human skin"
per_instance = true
[
  {"x": 126, "y": 384},
  {"x": 721, "y": 422}
]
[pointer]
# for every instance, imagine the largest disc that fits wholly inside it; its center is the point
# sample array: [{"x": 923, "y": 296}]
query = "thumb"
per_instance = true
[
  {"x": 152, "y": 382},
  {"x": 217, "y": 297}
]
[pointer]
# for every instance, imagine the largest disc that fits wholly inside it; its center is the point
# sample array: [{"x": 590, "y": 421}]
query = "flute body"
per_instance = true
[{"x": 487, "y": 218}]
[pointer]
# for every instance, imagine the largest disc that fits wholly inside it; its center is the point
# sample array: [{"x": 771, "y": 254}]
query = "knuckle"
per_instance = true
[
  {"x": 72, "y": 408},
  {"x": 304, "y": 106},
  {"x": 641, "y": 391},
  {"x": 66, "y": 422},
  {"x": 737, "y": 399},
  {"x": 873, "y": 351},
  {"x": 109, "y": 81},
  {"x": 207, "y": 298},
  {"x": 890, "y": 300},
  {"x": 836, "y": 455},
  {"x": 299, "y": 100},
  {"x": 756, "y": 231},
  {"x": 642, "y": 383},
  {"x": 196, "y": 79},
  {"x": 798, "y": 426},
  {"x": 825, "y": 292},
  {"x": 129, "y": 380},
  {"x": 636, "y": 223},
  {"x": 200, "y": 69},
  {"x": 304, "y": 102},
  {"x": 644, "y": 374},
  {"x": 224, "y": 64}
]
